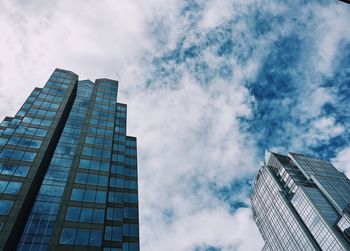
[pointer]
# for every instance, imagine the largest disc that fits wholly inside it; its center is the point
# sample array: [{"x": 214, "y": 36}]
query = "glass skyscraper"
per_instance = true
[
  {"x": 301, "y": 203},
  {"x": 68, "y": 172}
]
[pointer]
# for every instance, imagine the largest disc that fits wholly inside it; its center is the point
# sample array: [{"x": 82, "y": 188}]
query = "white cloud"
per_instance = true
[
  {"x": 320, "y": 129},
  {"x": 218, "y": 12},
  {"x": 313, "y": 101},
  {"x": 342, "y": 161},
  {"x": 94, "y": 40},
  {"x": 331, "y": 30},
  {"x": 190, "y": 138},
  {"x": 211, "y": 227}
]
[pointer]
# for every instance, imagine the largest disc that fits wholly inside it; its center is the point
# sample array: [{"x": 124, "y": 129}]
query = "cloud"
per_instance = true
[
  {"x": 217, "y": 226},
  {"x": 209, "y": 84},
  {"x": 342, "y": 161},
  {"x": 190, "y": 140}
]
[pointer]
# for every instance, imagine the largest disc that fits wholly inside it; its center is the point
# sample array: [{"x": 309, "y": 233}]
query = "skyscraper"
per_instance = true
[
  {"x": 301, "y": 203},
  {"x": 68, "y": 172}
]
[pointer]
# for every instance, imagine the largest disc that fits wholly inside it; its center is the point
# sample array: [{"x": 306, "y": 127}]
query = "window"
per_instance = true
[
  {"x": 118, "y": 157},
  {"x": 94, "y": 165},
  {"x": 131, "y": 143},
  {"x": 112, "y": 249},
  {"x": 81, "y": 237},
  {"x": 23, "y": 142},
  {"x": 2, "y": 141},
  {"x": 5, "y": 123},
  {"x": 77, "y": 194},
  {"x": 121, "y": 107},
  {"x": 130, "y": 151},
  {"x": 115, "y": 197},
  {"x": 88, "y": 195},
  {"x": 15, "y": 170},
  {"x": 131, "y": 230},
  {"x": 22, "y": 129},
  {"x": 17, "y": 155},
  {"x": 131, "y": 162},
  {"x": 73, "y": 214},
  {"x": 131, "y": 213},
  {"x": 86, "y": 214},
  {"x": 130, "y": 246},
  {"x": 10, "y": 187},
  {"x": 114, "y": 214},
  {"x": 5, "y": 206},
  {"x": 113, "y": 233},
  {"x": 21, "y": 113},
  {"x": 131, "y": 184},
  {"x": 118, "y": 169},
  {"x": 9, "y": 131},
  {"x": 96, "y": 152},
  {"x": 130, "y": 197},
  {"x": 36, "y": 121},
  {"x": 28, "y": 156},
  {"x": 15, "y": 122},
  {"x": 119, "y": 148},
  {"x": 131, "y": 172},
  {"x": 116, "y": 182},
  {"x": 91, "y": 179}
]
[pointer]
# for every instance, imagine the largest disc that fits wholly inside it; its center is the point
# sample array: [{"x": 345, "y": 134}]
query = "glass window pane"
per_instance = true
[
  {"x": 3, "y": 185},
  {"x": 13, "y": 187},
  {"x": 99, "y": 215},
  {"x": 8, "y": 170},
  {"x": 116, "y": 233},
  {"x": 5, "y": 206},
  {"x": 101, "y": 197},
  {"x": 73, "y": 213},
  {"x": 90, "y": 195},
  {"x": 82, "y": 238},
  {"x": 77, "y": 194},
  {"x": 22, "y": 171},
  {"x": 68, "y": 236},
  {"x": 81, "y": 178},
  {"x": 95, "y": 238},
  {"x": 86, "y": 214}
]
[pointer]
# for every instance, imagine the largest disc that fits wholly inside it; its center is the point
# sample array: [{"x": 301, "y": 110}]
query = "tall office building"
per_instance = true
[
  {"x": 68, "y": 172},
  {"x": 301, "y": 203}
]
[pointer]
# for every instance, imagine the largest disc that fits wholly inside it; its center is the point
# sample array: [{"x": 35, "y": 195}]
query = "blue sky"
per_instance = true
[{"x": 210, "y": 84}]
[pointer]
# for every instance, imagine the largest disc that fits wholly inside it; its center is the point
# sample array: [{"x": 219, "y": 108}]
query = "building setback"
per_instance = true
[
  {"x": 301, "y": 203},
  {"x": 68, "y": 172}
]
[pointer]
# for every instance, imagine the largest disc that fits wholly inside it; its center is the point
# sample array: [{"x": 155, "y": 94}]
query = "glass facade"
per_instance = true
[
  {"x": 68, "y": 171},
  {"x": 301, "y": 203}
]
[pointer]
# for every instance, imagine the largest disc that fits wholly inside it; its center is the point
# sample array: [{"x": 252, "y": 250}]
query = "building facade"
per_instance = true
[
  {"x": 68, "y": 171},
  {"x": 301, "y": 203}
]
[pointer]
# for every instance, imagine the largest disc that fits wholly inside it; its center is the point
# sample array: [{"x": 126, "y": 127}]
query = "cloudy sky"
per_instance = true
[{"x": 210, "y": 84}]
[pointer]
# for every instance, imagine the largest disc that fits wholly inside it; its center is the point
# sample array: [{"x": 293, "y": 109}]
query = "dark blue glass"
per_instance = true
[
  {"x": 99, "y": 215},
  {"x": 5, "y": 206},
  {"x": 77, "y": 194},
  {"x": 68, "y": 236},
  {"x": 86, "y": 214},
  {"x": 73, "y": 214},
  {"x": 82, "y": 238},
  {"x": 95, "y": 238}
]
